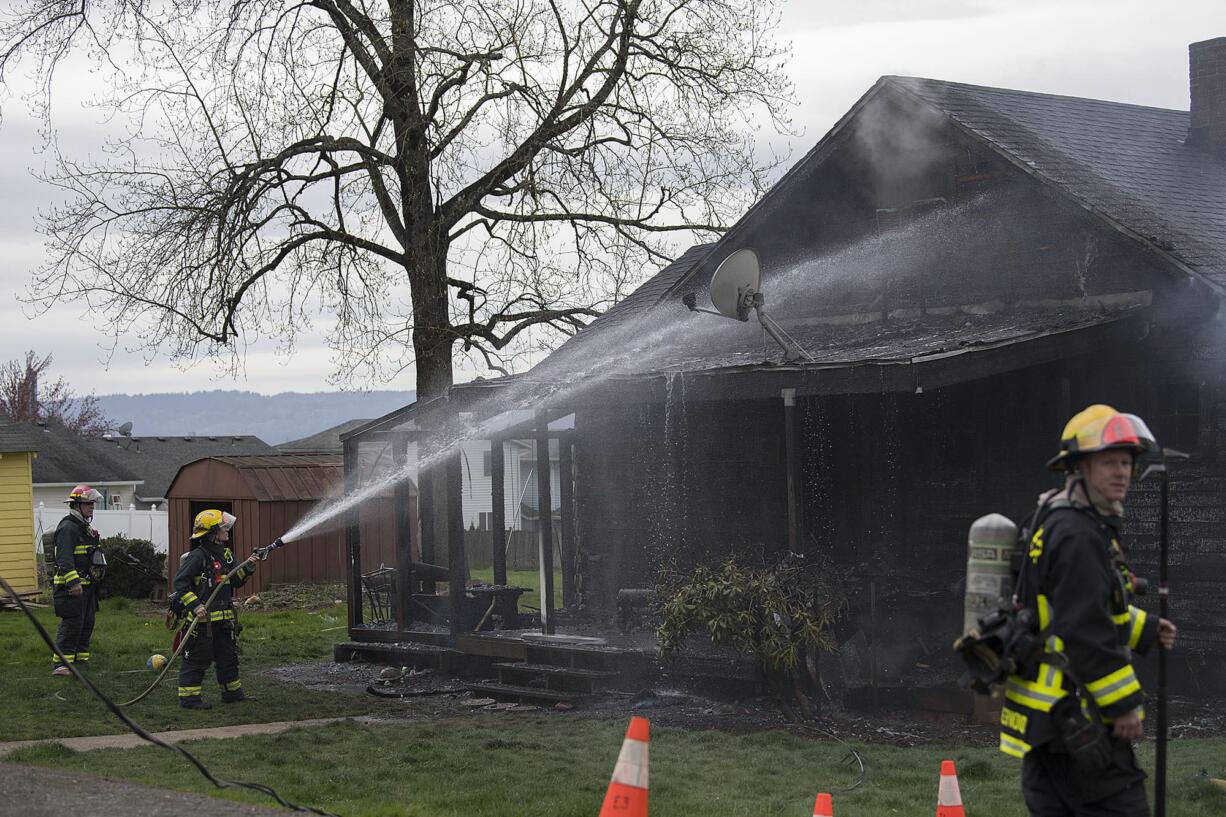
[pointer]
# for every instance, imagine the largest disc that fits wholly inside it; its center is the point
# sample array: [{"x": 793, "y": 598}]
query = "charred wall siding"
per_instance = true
[{"x": 684, "y": 482}]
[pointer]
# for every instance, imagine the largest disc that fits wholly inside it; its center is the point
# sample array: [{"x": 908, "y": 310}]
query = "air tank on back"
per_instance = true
[{"x": 991, "y": 543}]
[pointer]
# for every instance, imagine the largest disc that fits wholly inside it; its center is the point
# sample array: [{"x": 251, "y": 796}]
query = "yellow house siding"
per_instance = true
[{"x": 17, "y": 556}]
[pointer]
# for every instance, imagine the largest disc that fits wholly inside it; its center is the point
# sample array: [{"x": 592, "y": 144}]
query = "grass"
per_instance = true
[
  {"x": 524, "y": 578},
  {"x": 36, "y": 705},
  {"x": 488, "y": 764}
]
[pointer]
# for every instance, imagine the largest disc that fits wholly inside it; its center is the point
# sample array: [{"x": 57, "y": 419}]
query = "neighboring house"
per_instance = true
[
  {"x": 66, "y": 459},
  {"x": 18, "y": 560},
  {"x": 964, "y": 268},
  {"x": 127, "y": 469},
  {"x": 519, "y": 473}
]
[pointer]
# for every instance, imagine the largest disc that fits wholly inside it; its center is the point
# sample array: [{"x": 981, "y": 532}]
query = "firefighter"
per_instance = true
[
  {"x": 1074, "y": 713},
  {"x": 78, "y": 570},
  {"x": 203, "y": 569}
]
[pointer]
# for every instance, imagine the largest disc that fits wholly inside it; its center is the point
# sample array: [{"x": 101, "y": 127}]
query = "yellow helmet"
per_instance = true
[
  {"x": 210, "y": 520},
  {"x": 1100, "y": 428}
]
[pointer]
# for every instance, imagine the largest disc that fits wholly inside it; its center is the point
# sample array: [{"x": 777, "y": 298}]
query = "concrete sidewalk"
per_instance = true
[
  {"x": 33, "y": 791},
  {"x": 128, "y": 740}
]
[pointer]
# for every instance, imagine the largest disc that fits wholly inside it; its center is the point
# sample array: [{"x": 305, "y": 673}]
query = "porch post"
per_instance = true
[
  {"x": 404, "y": 535},
  {"x": 457, "y": 564},
  {"x": 425, "y": 512},
  {"x": 544, "y": 518},
  {"x": 353, "y": 537},
  {"x": 792, "y": 466},
  {"x": 566, "y": 477},
  {"x": 498, "y": 511}
]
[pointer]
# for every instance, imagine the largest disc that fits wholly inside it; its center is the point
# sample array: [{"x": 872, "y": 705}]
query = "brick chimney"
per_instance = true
[{"x": 1207, "y": 82}]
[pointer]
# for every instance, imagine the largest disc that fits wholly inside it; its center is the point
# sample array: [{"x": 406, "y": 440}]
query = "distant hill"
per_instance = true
[{"x": 273, "y": 418}]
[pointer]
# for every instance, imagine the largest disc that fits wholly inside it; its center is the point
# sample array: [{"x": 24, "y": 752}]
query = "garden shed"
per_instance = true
[
  {"x": 17, "y": 558},
  {"x": 270, "y": 493}
]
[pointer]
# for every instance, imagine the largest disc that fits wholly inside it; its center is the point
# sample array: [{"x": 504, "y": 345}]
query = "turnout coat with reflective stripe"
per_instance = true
[
  {"x": 198, "y": 574},
  {"x": 75, "y": 543},
  {"x": 1074, "y": 578}
]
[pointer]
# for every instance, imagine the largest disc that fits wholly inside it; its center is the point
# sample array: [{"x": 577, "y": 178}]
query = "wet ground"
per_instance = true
[{"x": 427, "y": 694}]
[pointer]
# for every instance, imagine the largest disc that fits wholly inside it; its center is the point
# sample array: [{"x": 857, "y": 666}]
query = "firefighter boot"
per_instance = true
[
  {"x": 194, "y": 702},
  {"x": 234, "y": 694}
]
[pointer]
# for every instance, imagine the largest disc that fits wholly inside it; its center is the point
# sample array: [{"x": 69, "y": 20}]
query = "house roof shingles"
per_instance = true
[
  {"x": 151, "y": 462},
  {"x": 13, "y": 438},
  {"x": 1128, "y": 162}
]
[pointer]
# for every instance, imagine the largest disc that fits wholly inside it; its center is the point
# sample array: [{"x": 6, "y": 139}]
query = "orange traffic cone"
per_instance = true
[
  {"x": 824, "y": 807},
  {"x": 627, "y": 794},
  {"x": 949, "y": 799}
]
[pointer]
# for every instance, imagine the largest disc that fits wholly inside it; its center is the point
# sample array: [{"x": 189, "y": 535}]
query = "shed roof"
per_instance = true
[{"x": 282, "y": 477}]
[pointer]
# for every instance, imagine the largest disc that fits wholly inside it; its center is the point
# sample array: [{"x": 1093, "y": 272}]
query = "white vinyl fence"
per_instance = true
[{"x": 152, "y": 525}]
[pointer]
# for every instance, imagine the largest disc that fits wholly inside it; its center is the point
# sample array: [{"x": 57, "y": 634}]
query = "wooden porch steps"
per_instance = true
[
  {"x": 524, "y": 694},
  {"x": 550, "y": 676},
  {"x": 403, "y": 654}
]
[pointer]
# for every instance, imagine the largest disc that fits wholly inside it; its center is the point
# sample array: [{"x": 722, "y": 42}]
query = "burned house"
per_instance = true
[{"x": 953, "y": 271}]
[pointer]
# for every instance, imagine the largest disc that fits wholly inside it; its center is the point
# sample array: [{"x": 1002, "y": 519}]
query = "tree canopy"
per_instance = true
[{"x": 412, "y": 178}]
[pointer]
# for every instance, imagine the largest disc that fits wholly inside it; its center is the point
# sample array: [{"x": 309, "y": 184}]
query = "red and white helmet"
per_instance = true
[{"x": 83, "y": 493}]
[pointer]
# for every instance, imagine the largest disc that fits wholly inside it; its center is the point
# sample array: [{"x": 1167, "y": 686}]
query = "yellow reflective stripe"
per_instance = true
[
  {"x": 1013, "y": 746},
  {"x": 1044, "y": 612},
  {"x": 1111, "y": 688},
  {"x": 80, "y": 550},
  {"x": 70, "y": 576},
  {"x": 1032, "y": 694},
  {"x": 189, "y": 598},
  {"x": 1138, "y": 626},
  {"x": 221, "y": 615},
  {"x": 232, "y": 686},
  {"x": 68, "y": 655},
  {"x": 1120, "y": 619},
  {"x": 189, "y": 692}
]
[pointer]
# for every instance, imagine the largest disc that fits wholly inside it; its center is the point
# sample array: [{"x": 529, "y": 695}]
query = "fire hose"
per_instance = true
[
  {"x": 138, "y": 730},
  {"x": 258, "y": 555}
]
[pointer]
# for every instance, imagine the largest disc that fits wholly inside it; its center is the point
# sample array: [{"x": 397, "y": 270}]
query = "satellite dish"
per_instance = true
[
  {"x": 737, "y": 276},
  {"x": 736, "y": 291},
  {"x": 126, "y": 429}
]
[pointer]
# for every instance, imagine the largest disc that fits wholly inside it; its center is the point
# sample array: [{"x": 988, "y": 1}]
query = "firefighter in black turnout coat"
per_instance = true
[
  {"x": 1074, "y": 713},
  {"x": 202, "y": 570},
  {"x": 78, "y": 569}
]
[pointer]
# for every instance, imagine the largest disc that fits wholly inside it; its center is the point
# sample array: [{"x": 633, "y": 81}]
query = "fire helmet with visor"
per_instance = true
[
  {"x": 1101, "y": 428},
  {"x": 210, "y": 520},
  {"x": 83, "y": 493}
]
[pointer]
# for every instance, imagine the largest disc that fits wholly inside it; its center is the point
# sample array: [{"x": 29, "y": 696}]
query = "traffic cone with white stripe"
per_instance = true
[
  {"x": 824, "y": 807},
  {"x": 627, "y": 794},
  {"x": 949, "y": 798}
]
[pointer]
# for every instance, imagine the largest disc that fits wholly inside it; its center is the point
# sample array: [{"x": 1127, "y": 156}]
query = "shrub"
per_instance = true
[
  {"x": 779, "y": 613},
  {"x": 133, "y": 568}
]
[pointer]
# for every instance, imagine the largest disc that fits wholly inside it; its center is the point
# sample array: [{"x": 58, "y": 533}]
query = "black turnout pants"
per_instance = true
[
  {"x": 76, "y": 628},
  {"x": 211, "y": 643},
  {"x": 1054, "y": 786}
]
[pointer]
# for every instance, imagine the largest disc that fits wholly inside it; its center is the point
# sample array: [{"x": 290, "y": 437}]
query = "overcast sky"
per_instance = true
[{"x": 1122, "y": 50}]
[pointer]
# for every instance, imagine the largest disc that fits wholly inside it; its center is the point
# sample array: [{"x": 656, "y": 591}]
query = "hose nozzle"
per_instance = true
[{"x": 262, "y": 553}]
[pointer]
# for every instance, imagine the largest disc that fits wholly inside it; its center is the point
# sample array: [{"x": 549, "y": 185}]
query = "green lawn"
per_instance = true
[
  {"x": 524, "y": 578},
  {"x": 36, "y": 705},
  {"x": 482, "y": 764},
  {"x": 490, "y": 764}
]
